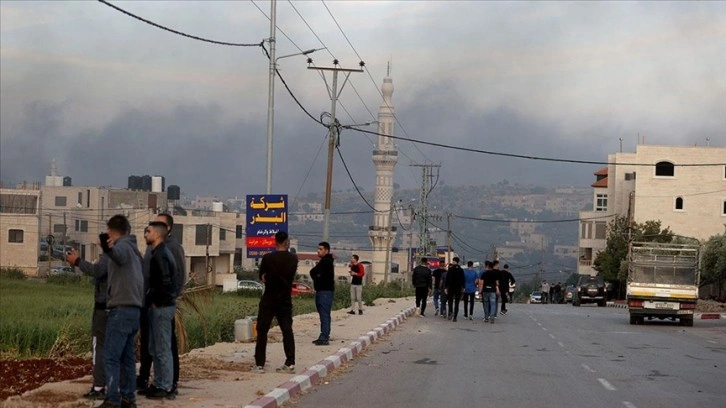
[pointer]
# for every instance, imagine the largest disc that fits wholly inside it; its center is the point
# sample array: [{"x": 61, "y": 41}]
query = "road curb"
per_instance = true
[
  {"x": 313, "y": 375},
  {"x": 696, "y": 316}
]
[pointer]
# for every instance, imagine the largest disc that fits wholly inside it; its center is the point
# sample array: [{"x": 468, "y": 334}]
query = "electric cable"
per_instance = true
[
  {"x": 171, "y": 30},
  {"x": 354, "y": 183},
  {"x": 315, "y": 159},
  {"x": 463, "y": 217}
]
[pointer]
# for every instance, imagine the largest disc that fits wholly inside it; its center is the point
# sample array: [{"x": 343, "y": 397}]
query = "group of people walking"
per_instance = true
[
  {"x": 134, "y": 293},
  {"x": 452, "y": 284}
]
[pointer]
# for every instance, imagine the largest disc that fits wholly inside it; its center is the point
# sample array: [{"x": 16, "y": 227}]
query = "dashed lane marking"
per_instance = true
[
  {"x": 559, "y": 343},
  {"x": 545, "y": 329},
  {"x": 552, "y": 336},
  {"x": 587, "y": 367},
  {"x": 606, "y": 384},
  {"x": 629, "y": 404}
]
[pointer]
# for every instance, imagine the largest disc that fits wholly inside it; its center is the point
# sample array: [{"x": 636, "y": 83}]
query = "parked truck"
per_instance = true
[{"x": 662, "y": 282}]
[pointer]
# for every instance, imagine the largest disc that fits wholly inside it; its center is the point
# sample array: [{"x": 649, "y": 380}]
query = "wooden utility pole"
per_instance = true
[
  {"x": 388, "y": 244},
  {"x": 448, "y": 238},
  {"x": 208, "y": 267}
]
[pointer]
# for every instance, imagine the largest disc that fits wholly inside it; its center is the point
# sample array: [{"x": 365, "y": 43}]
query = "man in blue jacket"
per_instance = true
[
  {"x": 323, "y": 275},
  {"x": 470, "y": 278}
]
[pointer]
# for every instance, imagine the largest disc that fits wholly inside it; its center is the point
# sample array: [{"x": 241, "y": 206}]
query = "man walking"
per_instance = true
[
  {"x": 124, "y": 300},
  {"x": 437, "y": 274},
  {"x": 545, "y": 291},
  {"x": 277, "y": 271},
  {"x": 470, "y": 277},
  {"x": 99, "y": 272},
  {"x": 421, "y": 280},
  {"x": 454, "y": 287},
  {"x": 323, "y": 275},
  {"x": 489, "y": 289},
  {"x": 504, "y": 287},
  {"x": 180, "y": 276},
  {"x": 161, "y": 301},
  {"x": 442, "y": 292},
  {"x": 356, "y": 284}
]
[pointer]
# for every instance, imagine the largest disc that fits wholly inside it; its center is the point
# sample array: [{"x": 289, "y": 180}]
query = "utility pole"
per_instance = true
[
  {"x": 388, "y": 244},
  {"x": 271, "y": 95},
  {"x": 208, "y": 267},
  {"x": 448, "y": 238},
  {"x": 65, "y": 232},
  {"x": 427, "y": 174},
  {"x": 495, "y": 255},
  {"x": 333, "y": 131},
  {"x": 50, "y": 242}
]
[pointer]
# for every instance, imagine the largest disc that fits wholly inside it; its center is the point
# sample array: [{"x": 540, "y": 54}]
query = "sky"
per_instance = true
[{"x": 108, "y": 96}]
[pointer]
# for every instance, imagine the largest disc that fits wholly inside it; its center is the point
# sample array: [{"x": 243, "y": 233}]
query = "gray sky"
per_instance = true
[{"x": 109, "y": 96}]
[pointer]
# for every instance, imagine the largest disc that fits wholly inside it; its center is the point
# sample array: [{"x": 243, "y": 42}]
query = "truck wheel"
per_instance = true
[{"x": 633, "y": 320}]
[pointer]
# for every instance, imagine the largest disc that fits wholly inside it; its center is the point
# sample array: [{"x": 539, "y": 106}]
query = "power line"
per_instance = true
[
  {"x": 463, "y": 217},
  {"x": 528, "y": 157},
  {"x": 315, "y": 159},
  {"x": 353, "y": 181},
  {"x": 171, "y": 30}
]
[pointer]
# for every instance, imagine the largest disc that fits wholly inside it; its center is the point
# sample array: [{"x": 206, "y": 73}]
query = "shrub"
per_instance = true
[{"x": 12, "y": 273}]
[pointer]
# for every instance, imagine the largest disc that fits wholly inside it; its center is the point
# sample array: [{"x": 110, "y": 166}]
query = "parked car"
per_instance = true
[
  {"x": 299, "y": 288},
  {"x": 62, "y": 270},
  {"x": 250, "y": 284},
  {"x": 569, "y": 294},
  {"x": 590, "y": 289},
  {"x": 535, "y": 297}
]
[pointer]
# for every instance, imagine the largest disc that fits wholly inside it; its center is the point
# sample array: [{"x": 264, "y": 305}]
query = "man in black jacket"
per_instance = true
[
  {"x": 438, "y": 274},
  {"x": 421, "y": 280},
  {"x": 454, "y": 287},
  {"x": 323, "y": 275},
  {"x": 161, "y": 301},
  {"x": 277, "y": 271}
]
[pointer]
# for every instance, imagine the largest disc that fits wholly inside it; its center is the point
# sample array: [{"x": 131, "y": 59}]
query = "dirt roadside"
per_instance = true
[{"x": 218, "y": 376}]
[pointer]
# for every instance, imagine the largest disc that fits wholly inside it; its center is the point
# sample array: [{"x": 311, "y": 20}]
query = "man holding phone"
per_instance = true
[{"x": 125, "y": 296}]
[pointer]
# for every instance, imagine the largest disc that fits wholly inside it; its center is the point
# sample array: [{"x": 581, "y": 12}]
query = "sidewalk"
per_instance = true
[{"x": 218, "y": 376}]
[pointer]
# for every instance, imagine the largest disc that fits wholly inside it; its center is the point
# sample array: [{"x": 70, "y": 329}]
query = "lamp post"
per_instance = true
[{"x": 271, "y": 112}]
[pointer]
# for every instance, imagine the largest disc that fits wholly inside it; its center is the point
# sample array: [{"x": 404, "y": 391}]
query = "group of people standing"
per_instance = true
[
  {"x": 449, "y": 285},
  {"x": 134, "y": 293}
]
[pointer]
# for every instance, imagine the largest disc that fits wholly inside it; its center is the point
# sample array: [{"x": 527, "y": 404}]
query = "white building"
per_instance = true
[{"x": 684, "y": 187}]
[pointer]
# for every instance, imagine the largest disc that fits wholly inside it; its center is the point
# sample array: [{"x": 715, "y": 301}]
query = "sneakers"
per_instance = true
[
  {"x": 285, "y": 369},
  {"x": 422, "y": 315},
  {"x": 108, "y": 404},
  {"x": 174, "y": 390},
  {"x": 95, "y": 394},
  {"x": 157, "y": 393},
  {"x": 141, "y": 386},
  {"x": 127, "y": 404},
  {"x": 486, "y": 320},
  {"x": 492, "y": 319},
  {"x": 360, "y": 312},
  {"x": 503, "y": 312},
  {"x": 417, "y": 311},
  {"x": 454, "y": 320},
  {"x": 436, "y": 313},
  {"x": 321, "y": 342},
  {"x": 471, "y": 317},
  {"x": 352, "y": 312},
  {"x": 258, "y": 370}
]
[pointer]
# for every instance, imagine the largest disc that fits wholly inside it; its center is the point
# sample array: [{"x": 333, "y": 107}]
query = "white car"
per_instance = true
[{"x": 535, "y": 297}]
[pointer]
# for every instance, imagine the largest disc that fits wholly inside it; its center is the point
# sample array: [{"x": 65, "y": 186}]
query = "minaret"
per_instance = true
[{"x": 385, "y": 157}]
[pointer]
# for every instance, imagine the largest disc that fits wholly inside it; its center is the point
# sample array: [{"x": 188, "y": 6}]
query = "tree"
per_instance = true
[
  {"x": 713, "y": 263},
  {"x": 610, "y": 263}
]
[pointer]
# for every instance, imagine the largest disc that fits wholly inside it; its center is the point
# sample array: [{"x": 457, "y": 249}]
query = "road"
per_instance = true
[{"x": 537, "y": 355}]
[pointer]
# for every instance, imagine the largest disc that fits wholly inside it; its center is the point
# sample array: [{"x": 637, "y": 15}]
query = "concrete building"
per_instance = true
[
  {"x": 684, "y": 187},
  {"x": 20, "y": 229},
  {"x": 385, "y": 156}
]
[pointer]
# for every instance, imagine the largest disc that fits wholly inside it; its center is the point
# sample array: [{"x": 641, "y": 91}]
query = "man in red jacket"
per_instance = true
[{"x": 357, "y": 272}]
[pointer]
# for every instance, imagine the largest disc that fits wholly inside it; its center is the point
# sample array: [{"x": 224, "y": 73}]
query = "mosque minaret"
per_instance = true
[{"x": 385, "y": 156}]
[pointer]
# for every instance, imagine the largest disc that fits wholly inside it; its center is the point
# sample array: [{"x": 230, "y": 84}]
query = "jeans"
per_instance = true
[
  {"x": 119, "y": 354},
  {"x": 468, "y": 301},
  {"x": 421, "y": 295},
  {"x": 324, "y": 303},
  {"x": 160, "y": 321},
  {"x": 356, "y": 295},
  {"x": 490, "y": 304},
  {"x": 282, "y": 311},
  {"x": 454, "y": 298},
  {"x": 98, "y": 333},
  {"x": 442, "y": 302},
  {"x": 436, "y": 299}
]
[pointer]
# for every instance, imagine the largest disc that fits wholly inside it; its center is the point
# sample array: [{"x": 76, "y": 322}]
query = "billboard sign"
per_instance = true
[{"x": 266, "y": 215}]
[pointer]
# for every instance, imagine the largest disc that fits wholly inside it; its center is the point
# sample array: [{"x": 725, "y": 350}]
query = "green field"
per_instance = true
[{"x": 41, "y": 318}]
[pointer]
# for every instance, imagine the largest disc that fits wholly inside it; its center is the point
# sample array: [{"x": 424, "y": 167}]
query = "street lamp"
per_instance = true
[{"x": 271, "y": 112}]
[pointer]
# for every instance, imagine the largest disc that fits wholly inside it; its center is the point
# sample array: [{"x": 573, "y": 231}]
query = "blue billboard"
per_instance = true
[{"x": 266, "y": 215}]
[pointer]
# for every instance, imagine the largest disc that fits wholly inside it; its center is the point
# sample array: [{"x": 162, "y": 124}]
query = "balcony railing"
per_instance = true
[{"x": 586, "y": 262}]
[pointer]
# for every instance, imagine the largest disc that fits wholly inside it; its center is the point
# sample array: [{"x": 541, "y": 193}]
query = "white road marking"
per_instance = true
[
  {"x": 713, "y": 342},
  {"x": 552, "y": 336},
  {"x": 629, "y": 404},
  {"x": 539, "y": 324},
  {"x": 587, "y": 367},
  {"x": 559, "y": 343},
  {"x": 606, "y": 384},
  {"x": 544, "y": 328}
]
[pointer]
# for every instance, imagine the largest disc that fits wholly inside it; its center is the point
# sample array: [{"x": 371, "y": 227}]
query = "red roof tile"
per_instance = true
[
  {"x": 602, "y": 172},
  {"x": 602, "y": 183}
]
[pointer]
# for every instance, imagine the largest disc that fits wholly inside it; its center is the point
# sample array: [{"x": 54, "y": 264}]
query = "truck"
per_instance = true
[{"x": 662, "y": 282}]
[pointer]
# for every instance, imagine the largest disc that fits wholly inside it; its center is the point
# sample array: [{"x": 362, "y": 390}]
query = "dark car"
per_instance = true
[{"x": 590, "y": 289}]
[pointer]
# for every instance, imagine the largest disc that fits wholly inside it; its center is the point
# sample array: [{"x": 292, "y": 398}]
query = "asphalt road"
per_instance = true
[{"x": 537, "y": 355}]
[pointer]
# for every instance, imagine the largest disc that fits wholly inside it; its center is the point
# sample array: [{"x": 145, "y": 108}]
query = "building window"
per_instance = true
[
  {"x": 679, "y": 203},
  {"x": 600, "y": 230},
  {"x": 239, "y": 232},
  {"x": 222, "y": 234},
  {"x": 723, "y": 210},
  {"x": 81, "y": 226},
  {"x": 60, "y": 201},
  {"x": 202, "y": 235},
  {"x": 629, "y": 176},
  {"x": 80, "y": 198},
  {"x": 665, "y": 169},
  {"x": 601, "y": 202},
  {"x": 58, "y": 228},
  {"x": 15, "y": 235}
]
